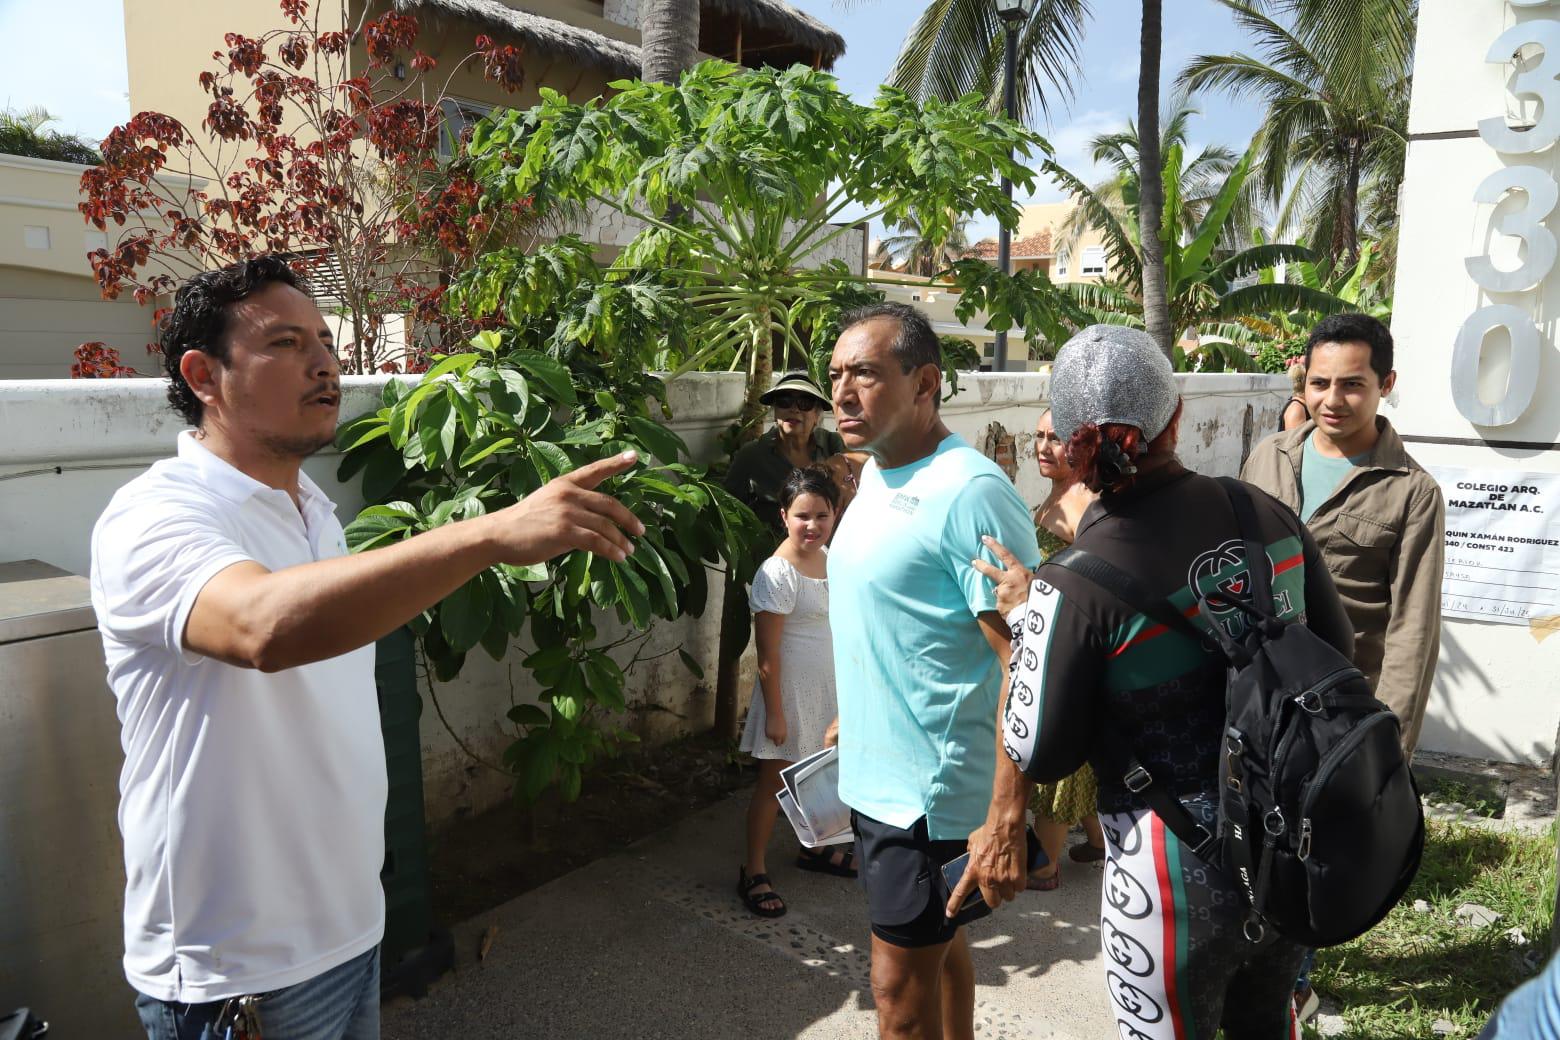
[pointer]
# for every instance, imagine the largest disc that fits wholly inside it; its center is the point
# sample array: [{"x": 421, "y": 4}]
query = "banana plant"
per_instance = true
[{"x": 1210, "y": 290}]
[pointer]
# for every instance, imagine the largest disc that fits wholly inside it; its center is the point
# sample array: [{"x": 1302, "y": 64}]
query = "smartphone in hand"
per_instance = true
[{"x": 975, "y": 906}]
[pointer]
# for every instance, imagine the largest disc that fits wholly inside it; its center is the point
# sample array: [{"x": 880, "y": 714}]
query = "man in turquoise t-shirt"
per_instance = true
[{"x": 919, "y": 650}]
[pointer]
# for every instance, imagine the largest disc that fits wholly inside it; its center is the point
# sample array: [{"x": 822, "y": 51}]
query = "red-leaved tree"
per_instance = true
[
  {"x": 353, "y": 172},
  {"x": 98, "y": 360}
]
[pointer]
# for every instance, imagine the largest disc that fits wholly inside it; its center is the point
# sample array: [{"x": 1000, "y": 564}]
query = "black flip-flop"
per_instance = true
[
  {"x": 755, "y": 902},
  {"x": 822, "y": 861}
]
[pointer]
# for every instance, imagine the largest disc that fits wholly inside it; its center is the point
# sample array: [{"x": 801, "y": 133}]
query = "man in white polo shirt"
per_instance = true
[{"x": 239, "y": 637}]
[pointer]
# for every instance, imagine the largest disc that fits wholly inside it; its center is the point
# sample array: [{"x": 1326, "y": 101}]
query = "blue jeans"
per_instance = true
[
  {"x": 1532, "y": 1012},
  {"x": 340, "y": 1004},
  {"x": 1305, "y": 970}
]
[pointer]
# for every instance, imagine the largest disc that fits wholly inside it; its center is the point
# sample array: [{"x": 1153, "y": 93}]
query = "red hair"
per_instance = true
[{"x": 1090, "y": 459}]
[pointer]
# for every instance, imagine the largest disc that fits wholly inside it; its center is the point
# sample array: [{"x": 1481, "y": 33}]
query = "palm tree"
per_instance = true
[
  {"x": 669, "y": 38},
  {"x": 1335, "y": 81},
  {"x": 1208, "y": 291},
  {"x": 915, "y": 251},
  {"x": 956, "y": 46},
  {"x": 1197, "y": 181},
  {"x": 23, "y": 133},
  {"x": 1151, "y": 193}
]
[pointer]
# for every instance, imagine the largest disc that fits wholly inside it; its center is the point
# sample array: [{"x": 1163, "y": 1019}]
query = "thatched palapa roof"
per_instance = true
[
  {"x": 539, "y": 33},
  {"x": 553, "y": 36},
  {"x": 780, "y": 17}
]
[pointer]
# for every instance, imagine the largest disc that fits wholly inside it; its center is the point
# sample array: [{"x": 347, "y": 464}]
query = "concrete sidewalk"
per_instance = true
[{"x": 652, "y": 942}]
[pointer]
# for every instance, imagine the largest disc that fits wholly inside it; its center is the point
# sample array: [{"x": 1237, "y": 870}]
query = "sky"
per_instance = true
[
  {"x": 1105, "y": 96},
  {"x": 68, "y": 56}
]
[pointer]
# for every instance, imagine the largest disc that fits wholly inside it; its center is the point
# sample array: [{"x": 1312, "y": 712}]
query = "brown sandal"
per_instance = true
[
  {"x": 1045, "y": 884},
  {"x": 1086, "y": 852}
]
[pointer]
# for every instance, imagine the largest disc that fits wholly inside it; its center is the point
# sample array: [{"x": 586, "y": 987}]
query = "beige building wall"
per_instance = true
[
  {"x": 1067, "y": 262},
  {"x": 164, "y": 75},
  {"x": 168, "y": 44},
  {"x": 49, "y": 300},
  {"x": 938, "y": 302}
]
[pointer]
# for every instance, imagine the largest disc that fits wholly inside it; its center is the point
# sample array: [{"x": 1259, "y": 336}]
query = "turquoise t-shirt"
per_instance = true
[
  {"x": 917, "y": 682},
  {"x": 1320, "y": 476}
]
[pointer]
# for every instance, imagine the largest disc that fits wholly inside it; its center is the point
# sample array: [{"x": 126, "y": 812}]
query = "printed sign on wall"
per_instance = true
[{"x": 1502, "y": 544}]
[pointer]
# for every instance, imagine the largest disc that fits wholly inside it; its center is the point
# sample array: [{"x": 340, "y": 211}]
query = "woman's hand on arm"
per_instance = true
[{"x": 1012, "y": 581}]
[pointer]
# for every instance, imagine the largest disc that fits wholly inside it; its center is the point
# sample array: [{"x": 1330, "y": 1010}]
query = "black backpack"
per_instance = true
[{"x": 1320, "y": 823}]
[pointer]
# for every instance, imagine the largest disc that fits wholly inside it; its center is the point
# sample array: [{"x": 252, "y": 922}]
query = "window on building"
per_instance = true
[
  {"x": 1093, "y": 260},
  {"x": 459, "y": 116},
  {"x": 1061, "y": 269}
]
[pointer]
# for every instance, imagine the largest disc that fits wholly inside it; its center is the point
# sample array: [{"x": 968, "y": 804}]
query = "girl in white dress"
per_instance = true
[{"x": 793, "y": 700}]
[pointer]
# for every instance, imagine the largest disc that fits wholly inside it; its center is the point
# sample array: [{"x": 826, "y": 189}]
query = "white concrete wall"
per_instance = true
[
  {"x": 66, "y": 446},
  {"x": 1497, "y": 691}
]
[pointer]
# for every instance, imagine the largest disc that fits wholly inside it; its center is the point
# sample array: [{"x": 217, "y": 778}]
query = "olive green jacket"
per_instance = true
[{"x": 1381, "y": 535}]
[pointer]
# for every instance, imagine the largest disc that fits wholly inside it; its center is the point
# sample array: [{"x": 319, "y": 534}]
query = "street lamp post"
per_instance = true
[{"x": 1014, "y": 13}]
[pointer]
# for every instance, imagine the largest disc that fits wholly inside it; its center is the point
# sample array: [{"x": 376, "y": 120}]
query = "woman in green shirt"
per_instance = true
[{"x": 1066, "y": 803}]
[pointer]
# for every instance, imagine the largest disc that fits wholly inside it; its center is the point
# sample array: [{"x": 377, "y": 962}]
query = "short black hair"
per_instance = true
[
  {"x": 1355, "y": 328},
  {"x": 809, "y": 480},
  {"x": 916, "y": 344},
  {"x": 199, "y": 319}
]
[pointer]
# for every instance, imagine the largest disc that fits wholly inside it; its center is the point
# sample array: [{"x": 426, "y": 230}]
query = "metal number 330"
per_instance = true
[{"x": 1540, "y": 84}]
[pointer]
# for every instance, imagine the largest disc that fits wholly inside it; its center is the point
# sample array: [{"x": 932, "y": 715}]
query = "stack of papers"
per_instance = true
[{"x": 811, "y": 800}]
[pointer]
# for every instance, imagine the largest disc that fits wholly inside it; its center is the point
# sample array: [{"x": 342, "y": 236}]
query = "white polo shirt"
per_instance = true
[{"x": 252, "y": 805}]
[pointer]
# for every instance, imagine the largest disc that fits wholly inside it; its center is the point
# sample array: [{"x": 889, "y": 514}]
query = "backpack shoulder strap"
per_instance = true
[
  {"x": 1116, "y": 746},
  {"x": 1256, "y": 547},
  {"x": 1127, "y": 589}
]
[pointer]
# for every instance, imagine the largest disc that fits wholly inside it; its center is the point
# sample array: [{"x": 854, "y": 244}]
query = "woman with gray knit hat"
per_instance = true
[{"x": 1094, "y": 679}]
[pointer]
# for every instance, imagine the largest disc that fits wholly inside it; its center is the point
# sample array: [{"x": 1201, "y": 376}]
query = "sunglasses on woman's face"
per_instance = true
[{"x": 800, "y": 402}]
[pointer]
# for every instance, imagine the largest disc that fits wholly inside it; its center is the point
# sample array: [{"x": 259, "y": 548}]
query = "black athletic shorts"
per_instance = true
[{"x": 901, "y": 871}]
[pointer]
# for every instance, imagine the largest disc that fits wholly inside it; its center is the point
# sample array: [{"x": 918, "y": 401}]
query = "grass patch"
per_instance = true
[
  {"x": 1477, "y": 799},
  {"x": 1414, "y": 968}
]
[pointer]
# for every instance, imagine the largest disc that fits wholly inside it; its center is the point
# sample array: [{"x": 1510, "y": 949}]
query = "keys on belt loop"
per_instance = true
[
  {"x": 239, "y": 1019},
  {"x": 249, "y": 1018}
]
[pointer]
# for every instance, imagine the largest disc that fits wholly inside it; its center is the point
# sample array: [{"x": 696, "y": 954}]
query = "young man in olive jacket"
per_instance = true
[{"x": 1377, "y": 515}]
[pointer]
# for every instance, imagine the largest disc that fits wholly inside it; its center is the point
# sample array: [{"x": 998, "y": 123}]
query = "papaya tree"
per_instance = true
[
  {"x": 738, "y": 188},
  {"x": 738, "y": 184}
]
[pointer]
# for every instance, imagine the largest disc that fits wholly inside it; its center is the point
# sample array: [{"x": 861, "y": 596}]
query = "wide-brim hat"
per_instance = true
[
  {"x": 1112, "y": 374},
  {"x": 796, "y": 382}
]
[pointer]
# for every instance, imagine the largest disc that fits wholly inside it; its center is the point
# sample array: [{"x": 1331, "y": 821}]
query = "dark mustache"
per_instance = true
[{"x": 323, "y": 388}]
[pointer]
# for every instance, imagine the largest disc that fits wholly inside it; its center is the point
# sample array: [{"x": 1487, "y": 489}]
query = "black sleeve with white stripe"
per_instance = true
[{"x": 1055, "y": 675}]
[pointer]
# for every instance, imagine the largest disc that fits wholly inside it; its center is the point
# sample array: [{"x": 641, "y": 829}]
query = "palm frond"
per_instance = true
[
  {"x": 1280, "y": 296},
  {"x": 955, "y": 47},
  {"x": 1120, "y": 249}
]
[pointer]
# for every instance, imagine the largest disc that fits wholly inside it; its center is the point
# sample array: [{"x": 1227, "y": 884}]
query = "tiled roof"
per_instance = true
[{"x": 1030, "y": 247}]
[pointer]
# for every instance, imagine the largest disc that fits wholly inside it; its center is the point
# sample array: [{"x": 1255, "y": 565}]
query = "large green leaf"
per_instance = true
[
  {"x": 550, "y": 373},
  {"x": 464, "y": 614},
  {"x": 377, "y": 525},
  {"x": 1197, "y": 252},
  {"x": 549, "y": 459},
  {"x": 663, "y": 443},
  {"x": 647, "y": 559},
  {"x": 362, "y": 430},
  {"x": 1262, "y": 299}
]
